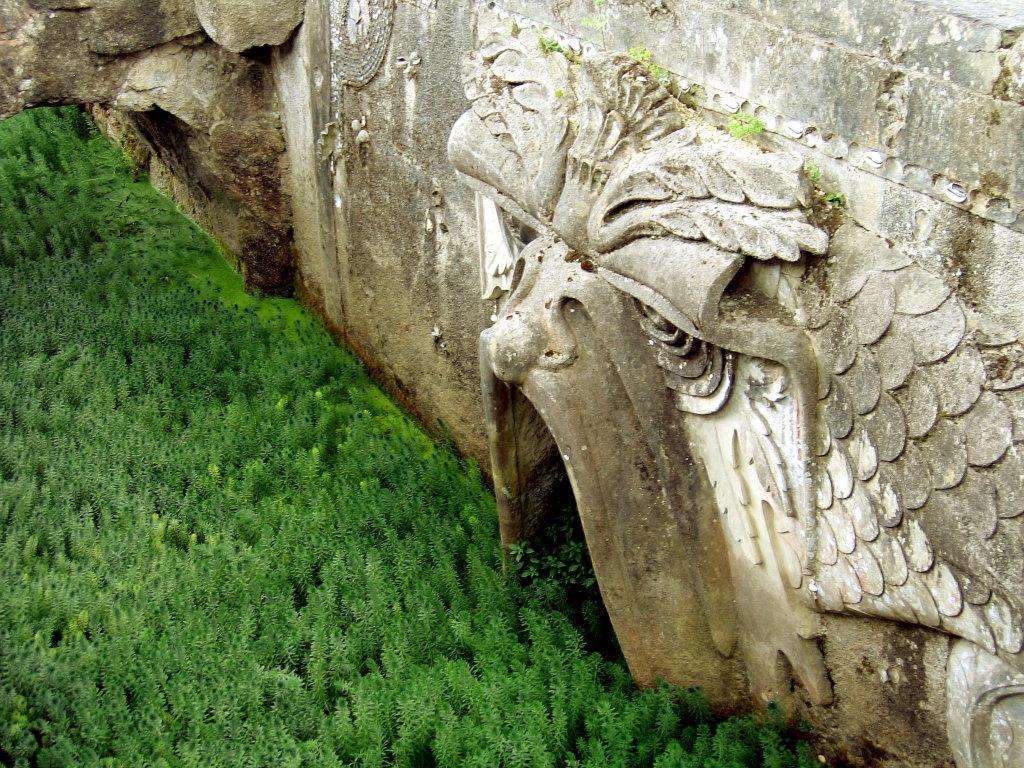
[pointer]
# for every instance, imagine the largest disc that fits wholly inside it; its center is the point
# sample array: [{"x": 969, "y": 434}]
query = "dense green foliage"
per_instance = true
[
  {"x": 221, "y": 545},
  {"x": 554, "y": 566}
]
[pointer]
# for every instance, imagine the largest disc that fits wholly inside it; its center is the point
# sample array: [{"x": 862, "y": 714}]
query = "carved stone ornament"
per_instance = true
[
  {"x": 986, "y": 707},
  {"x": 360, "y": 33},
  {"x": 755, "y": 436}
]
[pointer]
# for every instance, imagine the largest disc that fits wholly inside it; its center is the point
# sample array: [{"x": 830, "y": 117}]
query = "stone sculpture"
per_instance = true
[
  {"x": 771, "y": 431},
  {"x": 360, "y": 32},
  {"x": 762, "y": 423}
]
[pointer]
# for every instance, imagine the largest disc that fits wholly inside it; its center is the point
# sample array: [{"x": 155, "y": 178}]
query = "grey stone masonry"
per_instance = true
[{"x": 928, "y": 95}]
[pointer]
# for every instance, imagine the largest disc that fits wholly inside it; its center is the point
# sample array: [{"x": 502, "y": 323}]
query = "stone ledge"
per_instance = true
[
  {"x": 959, "y": 41},
  {"x": 1005, "y": 14},
  {"x": 954, "y": 143}
]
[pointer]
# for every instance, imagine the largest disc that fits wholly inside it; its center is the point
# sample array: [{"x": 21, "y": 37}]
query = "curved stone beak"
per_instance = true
[{"x": 659, "y": 557}]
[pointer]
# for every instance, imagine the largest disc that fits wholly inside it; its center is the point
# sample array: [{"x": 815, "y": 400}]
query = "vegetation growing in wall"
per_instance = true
[
  {"x": 223, "y": 546},
  {"x": 550, "y": 45},
  {"x": 555, "y": 568},
  {"x": 743, "y": 125},
  {"x": 646, "y": 59},
  {"x": 828, "y": 209}
]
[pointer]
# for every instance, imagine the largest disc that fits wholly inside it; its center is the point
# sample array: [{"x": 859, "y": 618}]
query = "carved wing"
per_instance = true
[
  {"x": 920, "y": 471},
  {"x": 726, "y": 193},
  {"x": 916, "y": 472},
  {"x": 860, "y": 432},
  {"x": 675, "y": 225},
  {"x": 727, "y": 198}
]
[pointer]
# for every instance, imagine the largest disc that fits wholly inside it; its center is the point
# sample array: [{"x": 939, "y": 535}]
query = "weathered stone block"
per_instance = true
[
  {"x": 852, "y": 416},
  {"x": 241, "y": 26},
  {"x": 783, "y": 374}
]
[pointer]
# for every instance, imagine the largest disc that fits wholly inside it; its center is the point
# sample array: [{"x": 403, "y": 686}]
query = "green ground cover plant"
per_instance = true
[{"x": 222, "y": 545}]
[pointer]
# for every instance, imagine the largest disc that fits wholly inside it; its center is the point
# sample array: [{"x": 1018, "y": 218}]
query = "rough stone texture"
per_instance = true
[
  {"x": 304, "y": 92},
  {"x": 118, "y": 27},
  {"x": 240, "y": 26},
  {"x": 207, "y": 114},
  {"x": 933, "y": 87},
  {"x": 387, "y": 233}
]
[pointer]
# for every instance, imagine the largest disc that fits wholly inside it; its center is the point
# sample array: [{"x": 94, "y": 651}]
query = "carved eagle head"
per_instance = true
[
  {"x": 882, "y": 463},
  {"x": 595, "y": 152}
]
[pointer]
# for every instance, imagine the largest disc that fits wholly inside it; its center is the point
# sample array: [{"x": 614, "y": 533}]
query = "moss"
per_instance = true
[
  {"x": 992, "y": 184},
  {"x": 549, "y": 45},
  {"x": 646, "y": 59},
  {"x": 692, "y": 96},
  {"x": 828, "y": 210},
  {"x": 966, "y": 237},
  {"x": 1001, "y": 88},
  {"x": 743, "y": 125}
]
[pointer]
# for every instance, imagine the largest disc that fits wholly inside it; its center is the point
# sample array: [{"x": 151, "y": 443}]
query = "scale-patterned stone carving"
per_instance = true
[
  {"x": 918, "y": 466},
  {"x": 856, "y": 427}
]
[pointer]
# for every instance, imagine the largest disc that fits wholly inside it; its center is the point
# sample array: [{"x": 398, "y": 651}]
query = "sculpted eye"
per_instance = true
[
  {"x": 660, "y": 328},
  {"x": 700, "y": 374}
]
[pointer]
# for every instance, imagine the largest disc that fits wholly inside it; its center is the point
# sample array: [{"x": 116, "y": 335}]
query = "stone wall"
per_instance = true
[
  {"x": 387, "y": 232},
  {"x": 206, "y": 112},
  {"x": 822, "y": 503},
  {"x": 907, "y": 315},
  {"x": 906, "y": 109}
]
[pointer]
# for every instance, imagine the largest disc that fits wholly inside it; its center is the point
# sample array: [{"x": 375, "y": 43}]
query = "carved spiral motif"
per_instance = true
[
  {"x": 700, "y": 374},
  {"x": 986, "y": 704},
  {"x": 360, "y": 33}
]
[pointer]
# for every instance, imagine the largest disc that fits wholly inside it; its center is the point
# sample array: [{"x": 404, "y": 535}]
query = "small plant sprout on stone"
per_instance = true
[
  {"x": 550, "y": 45},
  {"x": 835, "y": 200},
  {"x": 743, "y": 125},
  {"x": 646, "y": 58}
]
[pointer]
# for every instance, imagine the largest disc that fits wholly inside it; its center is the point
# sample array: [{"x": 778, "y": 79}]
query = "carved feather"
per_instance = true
[
  {"x": 914, "y": 392},
  {"x": 741, "y": 201}
]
